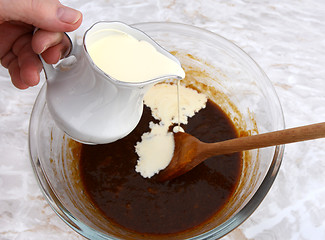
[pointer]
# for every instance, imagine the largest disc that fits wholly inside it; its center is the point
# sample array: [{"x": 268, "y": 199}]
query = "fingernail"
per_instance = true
[
  {"x": 68, "y": 15},
  {"x": 44, "y": 48}
]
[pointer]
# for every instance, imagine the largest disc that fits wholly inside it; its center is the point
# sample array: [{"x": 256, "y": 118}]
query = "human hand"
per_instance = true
[{"x": 19, "y": 48}]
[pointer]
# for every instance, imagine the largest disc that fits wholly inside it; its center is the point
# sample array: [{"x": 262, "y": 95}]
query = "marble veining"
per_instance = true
[{"x": 286, "y": 38}]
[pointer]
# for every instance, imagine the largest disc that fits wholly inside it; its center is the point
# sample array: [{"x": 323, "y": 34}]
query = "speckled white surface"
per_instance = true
[{"x": 286, "y": 38}]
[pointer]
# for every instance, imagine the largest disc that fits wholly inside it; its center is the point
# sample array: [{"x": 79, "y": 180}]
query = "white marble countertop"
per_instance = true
[{"x": 286, "y": 38}]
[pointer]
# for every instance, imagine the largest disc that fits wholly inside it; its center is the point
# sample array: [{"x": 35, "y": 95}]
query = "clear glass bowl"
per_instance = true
[{"x": 235, "y": 82}]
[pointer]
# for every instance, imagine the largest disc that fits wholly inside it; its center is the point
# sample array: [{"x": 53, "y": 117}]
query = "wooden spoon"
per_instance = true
[{"x": 189, "y": 151}]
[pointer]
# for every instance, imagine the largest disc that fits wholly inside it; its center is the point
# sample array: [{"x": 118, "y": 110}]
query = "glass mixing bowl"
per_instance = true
[{"x": 229, "y": 77}]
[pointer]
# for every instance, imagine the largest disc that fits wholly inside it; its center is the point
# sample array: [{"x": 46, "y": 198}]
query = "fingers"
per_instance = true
[
  {"x": 30, "y": 66},
  {"x": 53, "y": 54},
  {"x": 23, "y": 64},
  {"x": 43, "y": 40},
  {"x": 52, "y": 45},
  {"x": 14, "y": 71},
  {"x": 9, "y": 33},
  {"x": 7, "y": 59},
  {"x": 46, "y": 14},
  {"x": 19, "y": 54}
]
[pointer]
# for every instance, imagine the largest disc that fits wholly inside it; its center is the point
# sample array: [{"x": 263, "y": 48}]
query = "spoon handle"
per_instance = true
[{"x": 290, "y": 135}]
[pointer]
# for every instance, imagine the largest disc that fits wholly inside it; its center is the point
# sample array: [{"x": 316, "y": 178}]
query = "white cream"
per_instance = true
[
  {"x": 156, "y": 148},
  {"x": 127, "y": 59}
]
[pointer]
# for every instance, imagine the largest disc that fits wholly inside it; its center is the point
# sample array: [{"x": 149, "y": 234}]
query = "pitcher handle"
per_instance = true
[{"x": 49, "y": 69}]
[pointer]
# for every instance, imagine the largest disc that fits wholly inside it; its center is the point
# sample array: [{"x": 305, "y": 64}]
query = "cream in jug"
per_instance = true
[
  {"x": 127, "y": 59},
  {"x": 99, "y": 97}
]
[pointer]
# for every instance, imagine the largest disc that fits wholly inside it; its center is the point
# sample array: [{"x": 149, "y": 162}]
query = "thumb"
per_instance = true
[{"x": 50, "y": 15}]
